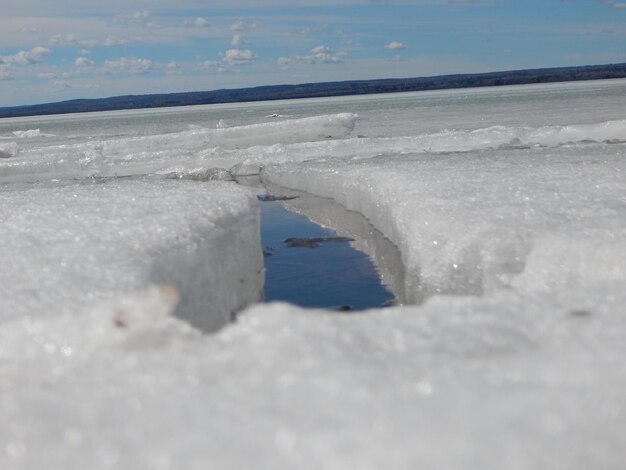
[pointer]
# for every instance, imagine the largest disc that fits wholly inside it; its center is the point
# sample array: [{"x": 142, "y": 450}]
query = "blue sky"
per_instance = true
[{"x": 51, "y": 51}]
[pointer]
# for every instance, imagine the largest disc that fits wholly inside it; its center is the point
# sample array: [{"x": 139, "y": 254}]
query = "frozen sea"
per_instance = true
[{"x": 132, "y": 334}]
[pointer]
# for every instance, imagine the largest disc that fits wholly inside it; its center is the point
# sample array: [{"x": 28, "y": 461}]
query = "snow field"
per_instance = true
[
  {"x": 459, "y": 383},
  {"x": 186, "y": 150},
  {"x": 513, "y": 359}
]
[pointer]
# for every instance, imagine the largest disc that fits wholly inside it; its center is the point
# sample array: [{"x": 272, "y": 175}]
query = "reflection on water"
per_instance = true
[
  {"x": 322, "y": 271},
  {"x": 351, "y": 265}
]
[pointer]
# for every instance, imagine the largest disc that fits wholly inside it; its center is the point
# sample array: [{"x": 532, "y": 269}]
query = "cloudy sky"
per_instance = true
[{"x": 55, "y": 50}]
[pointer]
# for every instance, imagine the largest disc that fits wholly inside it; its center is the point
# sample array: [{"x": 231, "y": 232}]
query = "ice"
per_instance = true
[
  {"x": 30, "y": 133},
  {"x": 474, "y": 223},
  {"x": 68, "y": 246},
  {"x": 445, "y": 141},
  {"x": 190, "y": 149},
  {"x": 510, "y": 354},
  {"x": 8, "y": 149},
  {"x": 459, "y": 383}
]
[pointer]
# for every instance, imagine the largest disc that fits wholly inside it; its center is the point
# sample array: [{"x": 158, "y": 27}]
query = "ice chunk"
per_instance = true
[
  {"x": 472, "y": 223},
  {"x": 201, "y": 174},
  {"x": 30, "y": 133},
  {"x": 191, "y": 149},
  {"x": 8, "y": 149},
  {"x": 68, "y": 245},
  {"x": 442, "y": 142}
]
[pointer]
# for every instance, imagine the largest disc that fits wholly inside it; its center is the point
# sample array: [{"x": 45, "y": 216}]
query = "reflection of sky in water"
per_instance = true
[{"x": 332, "y": 275}]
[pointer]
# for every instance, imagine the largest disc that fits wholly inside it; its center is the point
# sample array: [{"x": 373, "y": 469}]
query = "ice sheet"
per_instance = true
[
  {"x": 442, "y": 142},
  {"x": 181, "y": 151},
  {"x": 521, "y": 368},
  {"x": 67, "y": 246},
  {"x": 8, "y": 149}
]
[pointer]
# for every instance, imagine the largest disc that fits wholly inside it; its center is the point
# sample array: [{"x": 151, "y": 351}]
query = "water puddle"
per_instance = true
[{"x": 349, "y": 267}]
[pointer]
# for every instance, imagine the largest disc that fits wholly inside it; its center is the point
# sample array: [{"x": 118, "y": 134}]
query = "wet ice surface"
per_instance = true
[{"x": 513, "y": 242}]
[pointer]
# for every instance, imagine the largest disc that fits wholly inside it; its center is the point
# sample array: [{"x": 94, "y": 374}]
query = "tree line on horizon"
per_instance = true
[{"x": 326, "y": 89}]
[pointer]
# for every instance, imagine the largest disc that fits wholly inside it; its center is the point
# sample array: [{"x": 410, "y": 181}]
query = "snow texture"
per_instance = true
[
  {"x": 68, "y": 246},
  {"x": 8, "y": 149},
  {"x": 181, "y": 151},
  {"x": 511, "y": 227}
]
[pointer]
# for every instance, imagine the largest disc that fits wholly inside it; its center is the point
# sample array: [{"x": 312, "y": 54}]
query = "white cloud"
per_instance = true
[
  {"x": 173, "y": 68},
  {"x": 5, "y": 75},
  {"x": 135, "y": 17},
  {"x": 237, "y": 26},
  {"x": 201, "y": 22},
  {"x": 71, "y": 38},
  {"x": 323, "y": 54},
  {"x": 84, "y": 62},
  {"x": 236, "y": 41},
  {"x": 25, "y": 57},
  {"x": 59, "y": 38},
  {"x": 284, "y": 61},
  {"x": 111, "y": 41},
  {"x": 47, "y": 75},
  {"x": 61, "y": 84},
  {"x": 131, "y": 65},
  {"x": 208, "y": 64},
  {"x": 393, "y": 45},
  {"x": 238, "y": 56},
  {"x": 319, "y": 55},
  {"x": 140, "y": 18},
  {"x": 614, "y": 4}
]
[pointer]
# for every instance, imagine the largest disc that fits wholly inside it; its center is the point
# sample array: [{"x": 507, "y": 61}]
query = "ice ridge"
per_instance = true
[
  {"x": 190, "y": 149},
  {"x": 443, "y": 142}
]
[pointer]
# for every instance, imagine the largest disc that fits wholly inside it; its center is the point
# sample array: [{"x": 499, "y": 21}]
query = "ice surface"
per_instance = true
[
  {"x": 186, "y": 150},
  {"x": 8, "y": 149},
  {"x": 463, "y": 383},
  {"x": 513, "y": 238},
  {"x": 30, "y": 133},
  {"x": 67, "y": 246},
  {"x": 445, "y": 141},
  {"x": 531, "y": 219}
]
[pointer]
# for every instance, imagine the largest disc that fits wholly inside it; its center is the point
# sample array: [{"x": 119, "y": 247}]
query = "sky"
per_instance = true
[{"x": 57, "y": 50}]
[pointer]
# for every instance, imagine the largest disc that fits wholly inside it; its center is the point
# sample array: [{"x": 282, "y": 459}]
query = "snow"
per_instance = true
[
  {"x": 444, "y": 141},
  {"x": 30, "y": 133},
  {"x": 457, "y": 383},
  {"x": 8, "y": 149},
  {"x": 187, "y": 150},
  {"x": 508, "y": 355},
  {"x": 543, "y": 218},
  {"x": 68, "y": 246}
]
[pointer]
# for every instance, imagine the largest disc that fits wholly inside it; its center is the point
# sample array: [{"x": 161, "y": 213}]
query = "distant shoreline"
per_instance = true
[{"x": 325, "y": 89}]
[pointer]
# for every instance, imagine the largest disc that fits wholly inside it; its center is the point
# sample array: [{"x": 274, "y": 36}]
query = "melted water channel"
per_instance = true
[{"x": 313, "y": 266}]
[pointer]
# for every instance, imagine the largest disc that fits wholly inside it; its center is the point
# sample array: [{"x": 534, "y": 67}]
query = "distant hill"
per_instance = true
[{"x": 312, "y": 90}]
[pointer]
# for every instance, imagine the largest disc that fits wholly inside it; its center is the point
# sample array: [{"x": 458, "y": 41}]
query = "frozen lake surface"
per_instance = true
[{"x": 497, "y": 215}]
